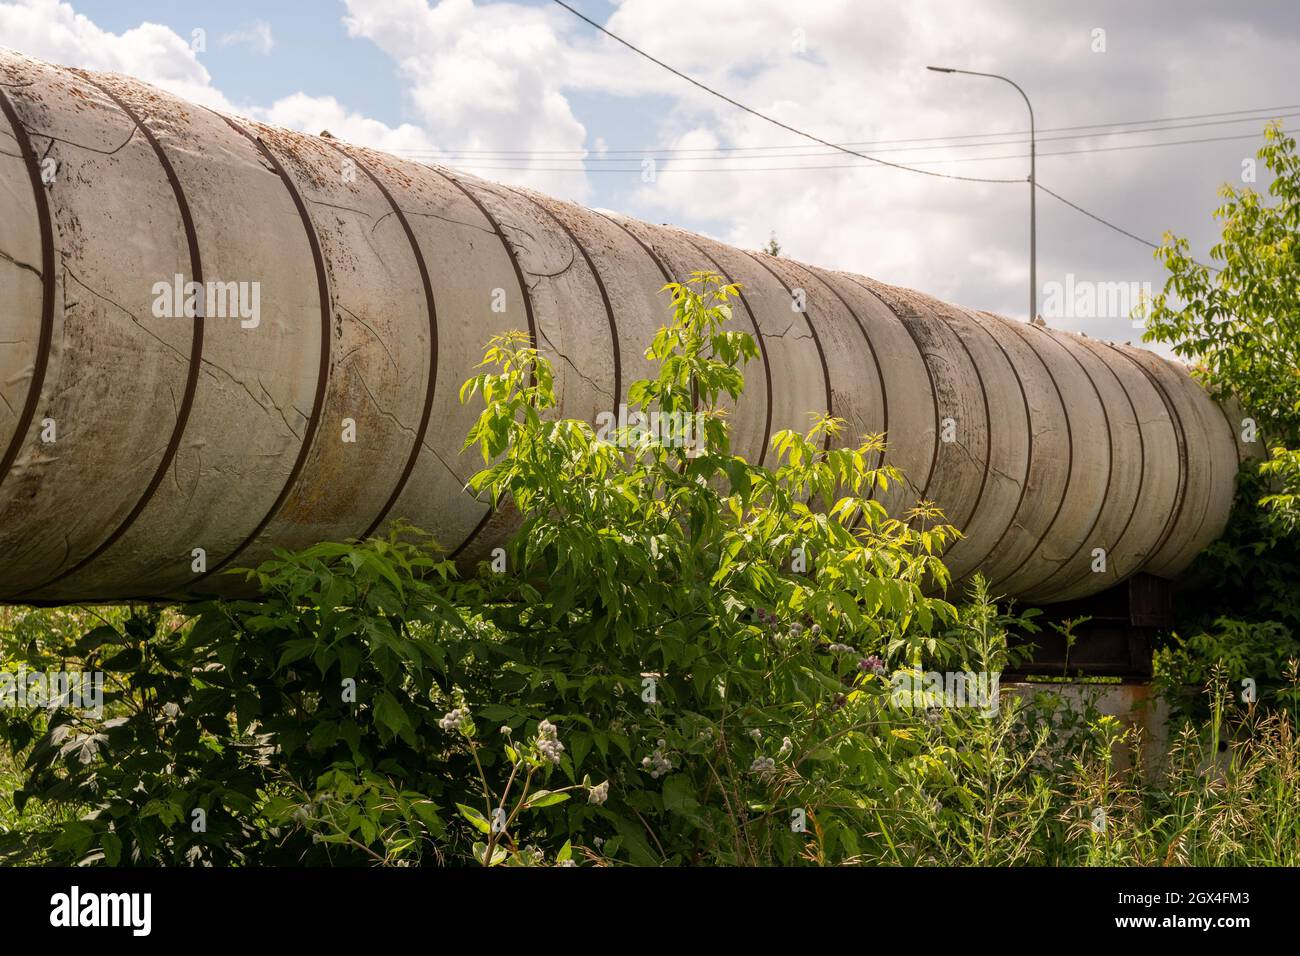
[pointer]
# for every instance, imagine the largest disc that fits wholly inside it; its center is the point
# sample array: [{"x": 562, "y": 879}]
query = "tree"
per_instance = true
[{"x": 1238, "y": 322}]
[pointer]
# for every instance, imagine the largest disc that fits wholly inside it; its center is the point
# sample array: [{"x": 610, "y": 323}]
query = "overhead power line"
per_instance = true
[
  {"x": 622, "y": 155},
  {"x": 636, "y": 169},
  {"x": 1094, "y": 216},
  {"x": 835, "y": 146},
  {"x": 771, "y": 119}
]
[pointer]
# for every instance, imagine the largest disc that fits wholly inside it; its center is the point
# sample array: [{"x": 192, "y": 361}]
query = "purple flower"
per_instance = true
[{"x": 873, "y": 664}]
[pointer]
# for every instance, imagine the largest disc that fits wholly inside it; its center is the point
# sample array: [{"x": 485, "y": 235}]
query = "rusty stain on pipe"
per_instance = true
[{"x": 314, "y": 394}]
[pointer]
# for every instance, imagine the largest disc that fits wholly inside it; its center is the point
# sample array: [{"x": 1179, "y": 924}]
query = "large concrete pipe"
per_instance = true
[{"x": 344, "y": 286}]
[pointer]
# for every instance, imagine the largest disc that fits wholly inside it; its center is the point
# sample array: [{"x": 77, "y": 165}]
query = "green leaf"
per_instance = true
[
  {"x": 112, "y": 844},
  {"x": 545, "y": 798},
  {"x": 127, "y": 660},
  {"x": 324, "y": 735},
  {"x": 296, "y": 650},
  {"x": 97, "y": 637},
  {"x": 475, "y": 818},
  {"x": 389, "y": 713},
  {"x": 679, "y": 796},
  {"x": 498, "y": 854}
]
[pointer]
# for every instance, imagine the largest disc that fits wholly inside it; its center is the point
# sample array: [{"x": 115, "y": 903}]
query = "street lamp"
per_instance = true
[{"x": 1033, "y": 189}]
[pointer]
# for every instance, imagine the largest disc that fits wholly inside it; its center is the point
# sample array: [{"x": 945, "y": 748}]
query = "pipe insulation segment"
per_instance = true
[{"x": 347, "y": 294}]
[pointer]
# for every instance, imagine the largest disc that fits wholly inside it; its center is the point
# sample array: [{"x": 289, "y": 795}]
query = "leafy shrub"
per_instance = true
[
  {"x": 1254, "y": 651},
  {"x": 650, "y": 609},
  {"x": 1236, "y": 322},
  {"x": 682, "y": 659}
]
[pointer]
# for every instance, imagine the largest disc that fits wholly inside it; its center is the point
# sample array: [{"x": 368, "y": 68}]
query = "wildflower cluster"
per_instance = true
[
  {"x": 872, "y": 665},
  {"x": 548, "y": 742},
  {"x": 455, "y": 719},
  {"x": 657, "y": 763}
]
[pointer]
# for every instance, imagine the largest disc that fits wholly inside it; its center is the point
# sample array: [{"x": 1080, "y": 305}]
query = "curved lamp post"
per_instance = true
[{"x": 1033, "y": 189}]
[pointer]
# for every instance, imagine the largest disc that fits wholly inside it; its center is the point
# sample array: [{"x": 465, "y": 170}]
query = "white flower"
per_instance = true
[
  {"x": 454, "y": 719},
  {"x": 548, "y": 742},
  {"x": 657, "y": 763},
  {"x": 599, "y": 793}
]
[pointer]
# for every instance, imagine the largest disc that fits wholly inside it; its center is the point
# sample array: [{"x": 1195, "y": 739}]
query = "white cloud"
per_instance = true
[
  {"x": 314, "y": 114},
  {"x": 489, "y": 77},
  {"x": 862, "y": 77},
  {"x": 52, "y": 30},
  {"x": 256, "y": 36},
  {"x": 506, "y": 76}
]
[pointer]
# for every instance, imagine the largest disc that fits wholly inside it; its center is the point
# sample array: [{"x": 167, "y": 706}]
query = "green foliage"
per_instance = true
[
  {"x": 1255, "y": 651},
  {"x": 681, "y": 661},
  {"x": 1251, "y": 573},
  {"x": 1240, "y": 324},
  {"x": 1283, "y": 500},
  {"x": 209, "y": 718},
  {"x": 652, "y": 603},
  {"x": 654, "y": 609}
]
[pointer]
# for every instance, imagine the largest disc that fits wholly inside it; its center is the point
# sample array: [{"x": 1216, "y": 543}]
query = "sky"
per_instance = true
[{"x": 524, "y": 92}]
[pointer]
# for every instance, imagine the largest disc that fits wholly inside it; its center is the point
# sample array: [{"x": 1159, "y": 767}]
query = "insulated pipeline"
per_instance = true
[{"x": 148, "y": 443}]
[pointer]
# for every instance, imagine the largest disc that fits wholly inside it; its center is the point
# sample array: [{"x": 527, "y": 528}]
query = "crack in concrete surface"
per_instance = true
[
  {"x": 20, "y": 264},
  {"x": 67, "y": 142}
]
